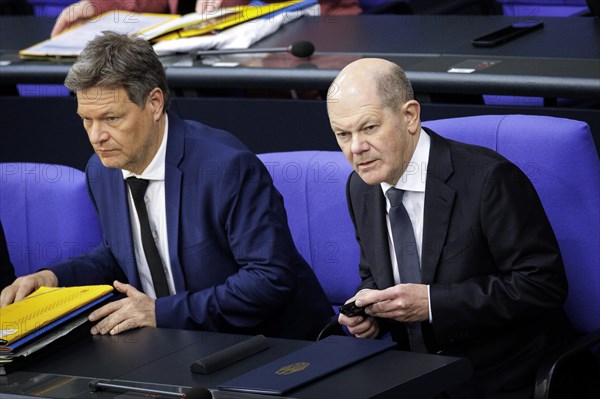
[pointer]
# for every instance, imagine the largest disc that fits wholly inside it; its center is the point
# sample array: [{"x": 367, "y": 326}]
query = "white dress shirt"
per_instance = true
[
  {"x": 157, "y": 215},
  {"x": 412, "y": 182}
]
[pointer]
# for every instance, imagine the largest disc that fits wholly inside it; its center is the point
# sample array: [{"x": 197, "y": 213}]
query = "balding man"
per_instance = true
[{"x": 458, "y": 257}]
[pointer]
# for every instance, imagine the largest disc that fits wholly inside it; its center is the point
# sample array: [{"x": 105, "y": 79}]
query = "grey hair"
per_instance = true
[
  {"x": 393, "y": 87},
  {"x": 115, "y": 60}
]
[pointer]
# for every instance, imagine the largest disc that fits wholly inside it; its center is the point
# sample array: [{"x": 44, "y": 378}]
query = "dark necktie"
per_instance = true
[
  {"x": 138, "y": 190},
  {"x": 407, "y": 257}
]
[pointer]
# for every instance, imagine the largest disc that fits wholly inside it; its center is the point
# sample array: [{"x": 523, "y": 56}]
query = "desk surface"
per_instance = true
[
  {"x": 562, "y": 59},
  {"x": 161, "y": 356}
]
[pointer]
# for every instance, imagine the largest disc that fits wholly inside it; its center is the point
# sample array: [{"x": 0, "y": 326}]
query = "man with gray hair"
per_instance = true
[{"x": 195, "y": 234}]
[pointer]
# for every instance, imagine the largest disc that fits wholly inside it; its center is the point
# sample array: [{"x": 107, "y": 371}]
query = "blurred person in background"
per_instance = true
[{"x": 86, "y": 9}]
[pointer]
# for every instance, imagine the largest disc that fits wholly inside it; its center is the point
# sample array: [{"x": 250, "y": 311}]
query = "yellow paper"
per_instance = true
[
  {"x": 154, "y": 27},
  {"x": 44, "y": 306},
  {"x": 240, "y": 15}
]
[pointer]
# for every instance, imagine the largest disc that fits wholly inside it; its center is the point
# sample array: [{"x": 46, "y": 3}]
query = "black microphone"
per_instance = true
[
  {"x": 192, "y": 393},
  {"x": 301, "y": 49}
]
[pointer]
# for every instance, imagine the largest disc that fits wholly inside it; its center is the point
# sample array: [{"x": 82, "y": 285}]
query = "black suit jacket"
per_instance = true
[{"x": 497, "y": 281}]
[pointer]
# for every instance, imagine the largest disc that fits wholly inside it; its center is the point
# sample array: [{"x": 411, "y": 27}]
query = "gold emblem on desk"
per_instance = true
[{"x": 292, "y": 368}]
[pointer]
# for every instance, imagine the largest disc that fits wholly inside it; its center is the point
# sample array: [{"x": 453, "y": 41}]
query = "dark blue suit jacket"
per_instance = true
[
  {"x": 234, "y": 263},
  {"x": 7, "y": 271}
]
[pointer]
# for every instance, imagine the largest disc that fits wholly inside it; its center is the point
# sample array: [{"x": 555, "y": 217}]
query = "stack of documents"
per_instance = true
[
  {"x": 199, "y": 24},
  {"x": 71, "y": 42},
  {"x": 260, "y": 18},
  {"x": 43, "y": 317},
  {"x": 241, "y": 35}
]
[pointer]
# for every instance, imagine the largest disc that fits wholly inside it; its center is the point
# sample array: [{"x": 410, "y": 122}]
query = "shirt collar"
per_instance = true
[
  {"x": 415, "y": 175},
  {"x": 156, "y": 169}
]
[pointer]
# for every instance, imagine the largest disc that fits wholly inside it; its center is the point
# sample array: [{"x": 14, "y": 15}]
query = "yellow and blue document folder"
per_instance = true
[{"x": 43, "y": 317}]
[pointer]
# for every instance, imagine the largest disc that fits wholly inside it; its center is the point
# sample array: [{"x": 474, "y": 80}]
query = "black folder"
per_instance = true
[{"x": 305, "y": 365}]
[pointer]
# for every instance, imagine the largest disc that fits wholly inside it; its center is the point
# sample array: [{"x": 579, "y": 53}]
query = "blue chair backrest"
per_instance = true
[
  {"x": 312, "y": 184},
  {"x": 557, "y": 154},
  {"x": 46, "y": 214}
]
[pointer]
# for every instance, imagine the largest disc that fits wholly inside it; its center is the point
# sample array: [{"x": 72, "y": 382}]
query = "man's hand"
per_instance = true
[
  {"x": 137, "y": 310},
  {"x": 25, "y": 285},
  {"x": 360, "y": 326},
  {"x": 73, "y": 14},
  {"x": 402, "y": 302}
]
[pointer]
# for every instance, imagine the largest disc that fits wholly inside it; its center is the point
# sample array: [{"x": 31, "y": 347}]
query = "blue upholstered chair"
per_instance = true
[
  {"x": 312, "y": 184},
  {"x": 559, "y": 157},
  {"x": 46, "y": 214}
]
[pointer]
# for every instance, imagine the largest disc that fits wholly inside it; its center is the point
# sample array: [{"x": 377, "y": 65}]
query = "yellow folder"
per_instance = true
[
  {"x": 44, "y": 306},
  {"x": 152, "y": 27},
  {"x": 227, "y": 18}
]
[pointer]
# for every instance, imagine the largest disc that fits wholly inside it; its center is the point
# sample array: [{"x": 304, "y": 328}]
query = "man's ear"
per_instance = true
[
  {"x": 411, "y": 110},
  {"x": 156, "y": 100}
]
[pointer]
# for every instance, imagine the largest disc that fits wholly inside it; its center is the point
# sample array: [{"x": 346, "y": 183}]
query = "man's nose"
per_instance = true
[
  {"x": 359, "y": 144},
  {"x": 96, "y": 133}
]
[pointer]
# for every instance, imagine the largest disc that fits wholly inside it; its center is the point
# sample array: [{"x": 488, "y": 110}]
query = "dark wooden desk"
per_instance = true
[
  {"x": 163, "y": 357},
  {"x": 560, "y": 60}
]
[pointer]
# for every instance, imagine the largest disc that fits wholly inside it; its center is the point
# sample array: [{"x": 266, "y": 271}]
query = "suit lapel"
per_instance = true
[
  {"x": 439, "y": 199},
  {"x": 122, "y": 231},
  {"x": 173, "y": 178},
  {"x": 374, "y": 203}
]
